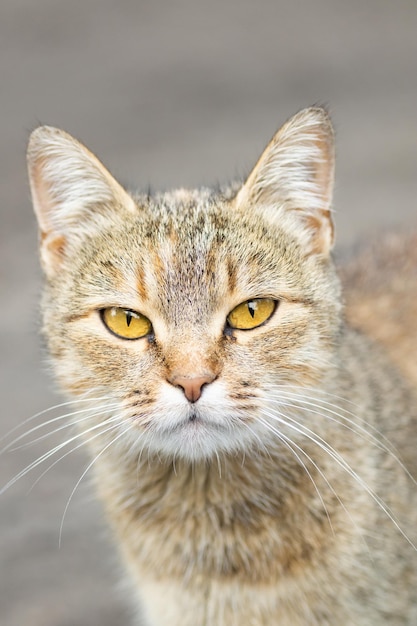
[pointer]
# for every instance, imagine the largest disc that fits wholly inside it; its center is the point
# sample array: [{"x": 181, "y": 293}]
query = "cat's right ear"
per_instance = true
[
  {"x": 293, "y": 179},
  {"x": 68, "y": 183}
]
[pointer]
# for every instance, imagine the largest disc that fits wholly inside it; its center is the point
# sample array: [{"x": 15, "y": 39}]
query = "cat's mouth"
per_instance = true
[
  {"x": 196, "y": 433},
  {"x": 196, "y": 420}
]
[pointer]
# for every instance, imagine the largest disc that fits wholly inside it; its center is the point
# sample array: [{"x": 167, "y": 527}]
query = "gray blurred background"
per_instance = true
[{"x": 168, "y": 94}]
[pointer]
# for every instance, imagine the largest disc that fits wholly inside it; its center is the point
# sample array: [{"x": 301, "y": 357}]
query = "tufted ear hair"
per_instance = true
[
  {"x": 69, "y": 187},
  {"x": 295, "y": 174}
]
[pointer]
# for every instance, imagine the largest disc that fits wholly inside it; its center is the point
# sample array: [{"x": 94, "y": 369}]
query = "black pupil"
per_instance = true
[
  {"x": 128, "y": 318},
  {"x": 252, "y": 308}
]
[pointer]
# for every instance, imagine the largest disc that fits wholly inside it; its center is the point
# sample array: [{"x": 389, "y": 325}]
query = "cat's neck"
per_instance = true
[
  {"x": 241, "y": 487},
  {"x": 165, "y": 509}
]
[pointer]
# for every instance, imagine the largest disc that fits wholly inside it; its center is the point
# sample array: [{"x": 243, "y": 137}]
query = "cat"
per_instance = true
[{"x": 253, "y": 451}]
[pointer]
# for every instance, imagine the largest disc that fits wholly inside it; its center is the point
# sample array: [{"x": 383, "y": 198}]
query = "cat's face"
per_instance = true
[{"x": 186, "y": 311}]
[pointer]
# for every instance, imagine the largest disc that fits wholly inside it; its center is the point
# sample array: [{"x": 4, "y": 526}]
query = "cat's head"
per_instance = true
[{"x": 188, "y": 311}]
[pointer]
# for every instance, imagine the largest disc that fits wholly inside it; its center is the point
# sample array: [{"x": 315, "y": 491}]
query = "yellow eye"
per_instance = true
[
  {"x": 126, "y": 324},
  {"x": 251, "y": 314}
]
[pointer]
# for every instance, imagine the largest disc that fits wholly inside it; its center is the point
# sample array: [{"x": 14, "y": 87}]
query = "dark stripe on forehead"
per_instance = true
[
  {"x": 141, "y": 283},
  {"x": 231, "y": 275}
]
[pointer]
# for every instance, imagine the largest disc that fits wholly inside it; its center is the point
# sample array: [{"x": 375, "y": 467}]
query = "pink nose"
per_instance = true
[{"x": 193, "y": 386}]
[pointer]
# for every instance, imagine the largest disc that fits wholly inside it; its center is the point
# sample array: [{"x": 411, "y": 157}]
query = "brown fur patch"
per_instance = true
[{"x": 140, "y": 284}]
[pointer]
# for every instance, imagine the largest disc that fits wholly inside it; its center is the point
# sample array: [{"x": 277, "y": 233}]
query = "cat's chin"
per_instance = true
[{"x": 196, "y": 438}]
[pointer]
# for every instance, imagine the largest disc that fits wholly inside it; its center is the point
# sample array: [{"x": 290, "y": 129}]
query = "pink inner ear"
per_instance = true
[
  {"x": 41, "y": 196},
  {"x": 324, "y": 168},
  {"x": 320, "y": 225},
  {"x": 55, "y": 244},
  {"x": 52, "y": 251}
]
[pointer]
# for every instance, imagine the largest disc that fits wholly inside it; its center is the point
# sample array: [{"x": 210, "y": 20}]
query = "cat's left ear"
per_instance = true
[
  {"x": 70, "y": 187},
  {"x": 294, "y": 176}
]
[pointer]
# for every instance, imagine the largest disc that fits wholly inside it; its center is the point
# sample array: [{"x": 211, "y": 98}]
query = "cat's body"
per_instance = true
[{"x": 247, "y": 443}]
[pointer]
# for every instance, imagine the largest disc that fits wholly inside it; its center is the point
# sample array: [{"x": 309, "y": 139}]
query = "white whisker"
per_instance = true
[
  {"x": 49, "y": 454},
  {"x": 290, "y": 445},
  {"x": 77, "y": 447},
  {"x": 94, "y": 411},
  {"x": 326, "y": 447},
  {"x": 89, "y": 466},
  {"x": 48, "y": 410},
  {"x": 361, "y": 429},
  {"x": 219, "y": 467}
]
